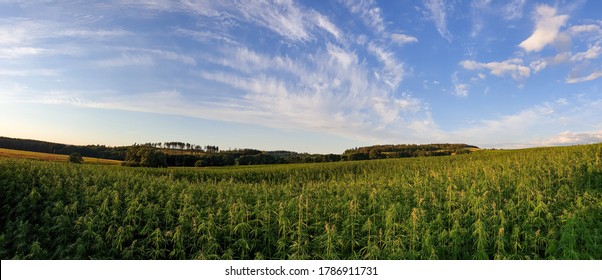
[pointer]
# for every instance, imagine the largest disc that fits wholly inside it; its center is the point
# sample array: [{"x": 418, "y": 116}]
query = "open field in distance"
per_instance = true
[{"x": 10, "y": 153}]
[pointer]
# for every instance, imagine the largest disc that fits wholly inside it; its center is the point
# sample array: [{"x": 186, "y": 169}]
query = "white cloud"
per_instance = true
[
  {"x": 11, "y": 36},
  {"x": 520, "y": 126},
  {"x": 371, "y": 14},
  {"x": 94, "y": 34},
  {"x": 392, "y": 73},
  {"x": 206, "y": 35},
  {"x": 169, "y": 55},
  {"x": 17, "y": 52},
  {"x": 572, "y": 138},
  {"x": 586, "y": 28},
  {"x": 331, "y": 90},
  {"x": 324, "y": 23},
  {"x": 527, "y": 128},
  {"x": 286, "y": 18},
  {"x": 592, "y": 53},
  {"x": 547, "y": 26},
  {"x": 512, "y": 67},
  {"x": 28, "y": 72},
  {"x": 438, "y": 14},
  {"x": 342, "y": 57},
  {"x": 22, "y": 32},
  {"x": 403, "y": 39},
  {"x": 127, "y": 59},
  {"x": 590, "y": 77},
  {"x": 283, "y": 17},
  {"x": 460, "y": 89},
  {"x": 513, "y": 10},
  {"x": 162, "y": 5},
  {"x": 541, "y": 64}
]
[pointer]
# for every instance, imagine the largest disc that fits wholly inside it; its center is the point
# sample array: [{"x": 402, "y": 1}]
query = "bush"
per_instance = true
[{"x": 76, "y": 158}]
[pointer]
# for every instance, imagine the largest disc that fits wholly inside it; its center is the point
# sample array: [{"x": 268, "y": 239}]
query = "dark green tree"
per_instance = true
[
  {"x": 146, "y": 156},
  {"x": 76, "y": 158}
]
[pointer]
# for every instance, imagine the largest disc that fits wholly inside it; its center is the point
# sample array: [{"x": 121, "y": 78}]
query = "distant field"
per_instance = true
[{"x": 8, "y": 153}]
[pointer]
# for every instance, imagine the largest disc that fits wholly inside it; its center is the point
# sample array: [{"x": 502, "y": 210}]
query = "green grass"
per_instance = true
[{"x": 543, "y": 203}]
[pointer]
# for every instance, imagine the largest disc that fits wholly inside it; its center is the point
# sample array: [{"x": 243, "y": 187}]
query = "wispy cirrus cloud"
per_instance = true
[
  {"x": 369, "y": 13},
  {"x": 585, "y": 28},
  {"x": 18, "y": 52},
  {"x": 513, "y": 9},
  {"x": 22, "y": 31},
  {"x": 579, "y": 79},
  {"x": 437, "y": 12},
  {"x": 392, "y": 72},
  {"x": 592, "y": 53},
  {"x": 282, "y": 17},
  {"x": 459, "y": 88},
  {"x": 547, "y": 26},
  {"x": 285, "y": 18},
  {"x": 333, "y": 91},
  {"x": 131, "y": 56},
  {"x": 28, "y": 72},
  {"x": 127, "y": 59}
]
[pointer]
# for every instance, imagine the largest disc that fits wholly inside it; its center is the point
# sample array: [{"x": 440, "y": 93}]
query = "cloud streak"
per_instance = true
[
  {"x": 594, "y": 75},
  {"x": 438, "y": 14}
]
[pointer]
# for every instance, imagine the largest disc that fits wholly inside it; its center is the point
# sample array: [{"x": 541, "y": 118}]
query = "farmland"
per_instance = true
[
  {"x": 10, "y": 153},
  {"x": 542, "y": 203}
]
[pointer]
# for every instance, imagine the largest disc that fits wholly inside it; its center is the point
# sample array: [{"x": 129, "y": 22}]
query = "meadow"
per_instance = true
[
  {"x": 11, "y": 153},
  {"x": 542, "y": 203}
]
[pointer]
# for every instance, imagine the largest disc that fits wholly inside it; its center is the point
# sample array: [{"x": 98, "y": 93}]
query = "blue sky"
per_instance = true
[{"x": 309, "y": 76}]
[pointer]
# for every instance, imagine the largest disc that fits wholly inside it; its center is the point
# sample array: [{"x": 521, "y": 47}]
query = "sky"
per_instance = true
[{"x": 307, "y": 76}]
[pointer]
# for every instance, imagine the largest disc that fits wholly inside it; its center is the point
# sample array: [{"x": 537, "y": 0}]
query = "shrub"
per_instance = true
[{"x": 76, "y": 158}]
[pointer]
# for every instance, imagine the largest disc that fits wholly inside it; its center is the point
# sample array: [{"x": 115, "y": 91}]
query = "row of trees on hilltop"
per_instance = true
[
  {"x": 174, "y": 145},
  {"x": 405, "y": 150},
  {"x": 145, "y": 156},
  {"x": 159, "y": 154},
  {"x": 96, "y": 151}
]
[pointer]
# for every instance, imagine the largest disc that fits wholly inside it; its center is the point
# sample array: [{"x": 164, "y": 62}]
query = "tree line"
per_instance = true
[
  {"x": 96, "y": 151},
  {"x": 405, "y": 150},
  {"x": 163, "y": 154}
]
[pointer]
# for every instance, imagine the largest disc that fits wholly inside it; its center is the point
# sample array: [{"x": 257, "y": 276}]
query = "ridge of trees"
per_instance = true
[
  {"x": 405, "y": 150},
  {"x": 96, "y": 151},
  {"x": 162, "y": 154}
]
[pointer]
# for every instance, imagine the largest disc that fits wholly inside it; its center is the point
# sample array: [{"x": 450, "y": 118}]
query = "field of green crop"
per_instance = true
[{"x": 543, "y": 203}]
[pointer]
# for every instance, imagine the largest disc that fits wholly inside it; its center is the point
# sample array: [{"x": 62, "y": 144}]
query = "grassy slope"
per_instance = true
[{"x": 8, "y": 153}]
